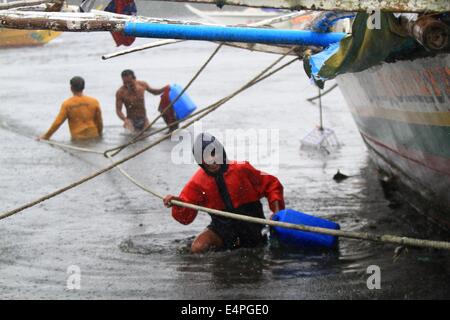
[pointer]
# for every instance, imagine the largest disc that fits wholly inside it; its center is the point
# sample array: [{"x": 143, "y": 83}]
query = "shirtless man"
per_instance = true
[{"x": 131, "y": 94}]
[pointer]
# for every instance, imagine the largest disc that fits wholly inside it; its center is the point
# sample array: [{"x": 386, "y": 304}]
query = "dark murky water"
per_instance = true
[{"x": 126, "y": 243}]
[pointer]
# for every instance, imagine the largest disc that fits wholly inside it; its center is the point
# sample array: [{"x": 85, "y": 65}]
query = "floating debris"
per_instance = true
[{"x": 338, "y": 177}]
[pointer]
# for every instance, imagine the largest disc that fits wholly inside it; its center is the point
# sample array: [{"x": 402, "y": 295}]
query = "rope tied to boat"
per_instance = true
[
  {"x": 405, "y": 241},
  {"x": 261, "y": 76},
  {"x": 212, "y": 106},
  {"x": 391, "y": 239},
  {"x": 118, "y": 149},
  {"x": 138, "y": 137}
]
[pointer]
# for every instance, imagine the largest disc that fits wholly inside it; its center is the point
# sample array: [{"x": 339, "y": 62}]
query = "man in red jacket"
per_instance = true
[{"x": 230, "y": 186}]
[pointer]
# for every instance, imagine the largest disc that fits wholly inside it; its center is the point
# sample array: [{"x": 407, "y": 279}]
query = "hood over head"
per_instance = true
[{"x": 205, "y": 147}]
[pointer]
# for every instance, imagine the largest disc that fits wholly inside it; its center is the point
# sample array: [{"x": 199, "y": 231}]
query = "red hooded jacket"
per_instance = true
[{"x": 245, "y": 184}]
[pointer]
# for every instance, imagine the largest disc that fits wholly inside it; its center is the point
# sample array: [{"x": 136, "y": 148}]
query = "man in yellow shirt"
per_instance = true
[{"x": 83, "y": 113}]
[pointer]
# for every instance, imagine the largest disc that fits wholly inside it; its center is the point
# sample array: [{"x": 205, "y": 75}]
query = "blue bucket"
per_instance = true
[
  {"x": 184, "y": 105},
  {"x": 304, "y": 239}
]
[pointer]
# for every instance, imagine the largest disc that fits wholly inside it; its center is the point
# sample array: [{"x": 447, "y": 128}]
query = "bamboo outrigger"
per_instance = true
[
  {"x": 160, "y": 28},
  {"x": 27, "y": 3},
  {"x": 336, "y": 5}
]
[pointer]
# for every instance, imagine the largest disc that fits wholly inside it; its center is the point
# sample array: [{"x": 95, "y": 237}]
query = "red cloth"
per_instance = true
[
  {"x": 169, "y": 116},
  {"x": 245, "y": 184},
  {"x": 127, "y": 7},
  {"x": 121, "y": 4},
  {"x": 165, "y": 100},
  {"x": 120, "y": 39}
]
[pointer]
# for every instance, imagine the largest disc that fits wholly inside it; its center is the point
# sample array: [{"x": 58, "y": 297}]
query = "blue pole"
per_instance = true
[{"x": 231, "y": 34}]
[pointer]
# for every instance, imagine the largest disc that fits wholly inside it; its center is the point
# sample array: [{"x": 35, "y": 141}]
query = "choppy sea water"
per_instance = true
[{"x": 125, "y": 242}]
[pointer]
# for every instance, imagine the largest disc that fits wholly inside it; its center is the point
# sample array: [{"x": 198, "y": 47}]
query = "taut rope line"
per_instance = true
[
  {"x": 339, "y": 233},
  {"x": 117, "y": 150},
  {"x": 133, "y": 155},
  {"x": 323, "y": 93},
  {"x": 135, "y": 139},
  {"x": 212, "y": 105}
]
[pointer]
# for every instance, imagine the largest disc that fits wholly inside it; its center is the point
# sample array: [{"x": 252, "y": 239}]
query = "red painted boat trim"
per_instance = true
[{"x": 435, "y": 163}]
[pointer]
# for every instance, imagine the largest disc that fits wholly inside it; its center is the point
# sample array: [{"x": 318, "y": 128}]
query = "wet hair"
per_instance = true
[
  {"x": 77, "y": 84},
  {"x": 128, "y": 72}
]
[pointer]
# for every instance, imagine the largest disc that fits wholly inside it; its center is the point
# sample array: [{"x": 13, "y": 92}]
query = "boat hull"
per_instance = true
[
  {"x": 10, "y": 38},
  {"x": 247, "y": 16},
  {"x": 402, "y": 110}
]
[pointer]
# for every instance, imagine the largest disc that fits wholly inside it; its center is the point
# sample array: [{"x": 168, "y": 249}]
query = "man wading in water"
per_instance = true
[
  {"x": 230, "y": 186},
  {"x": 83, "y": 113},
  {"x": 131, "y": 94}
]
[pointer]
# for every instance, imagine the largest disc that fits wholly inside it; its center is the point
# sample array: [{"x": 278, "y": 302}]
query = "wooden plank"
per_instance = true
[
  {"x": 58, "y": 21},
  {"x": 74, "y": 21},
  {"x": 27, "y": 3},
  {"x": 336, "y": 5}
]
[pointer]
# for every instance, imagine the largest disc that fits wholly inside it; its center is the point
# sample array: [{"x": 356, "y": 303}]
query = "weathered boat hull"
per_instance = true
[
  {"x": 402, "y": 110},
  {"x": 10, "y": 38},
  {"x": 247, "y": 16}
]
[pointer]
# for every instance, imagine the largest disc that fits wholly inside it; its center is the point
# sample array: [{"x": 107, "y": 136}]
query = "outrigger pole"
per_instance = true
[
  {"x": 335, "y": 5},
  {"x": 231, "y": 34},
  {"x": 24, "y": 3},
  {"x": 253, "y": 47},
  {"x": 88, "y": 22}
]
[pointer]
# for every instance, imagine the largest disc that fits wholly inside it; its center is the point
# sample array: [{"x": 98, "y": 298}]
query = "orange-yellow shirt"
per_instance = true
[{"x": 84, "y": 115}]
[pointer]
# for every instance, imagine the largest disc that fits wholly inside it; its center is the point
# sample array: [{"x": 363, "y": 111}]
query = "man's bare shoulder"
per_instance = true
[
  {"x": 121, "y": 91},
  {"x": 142, "y": 83}
]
